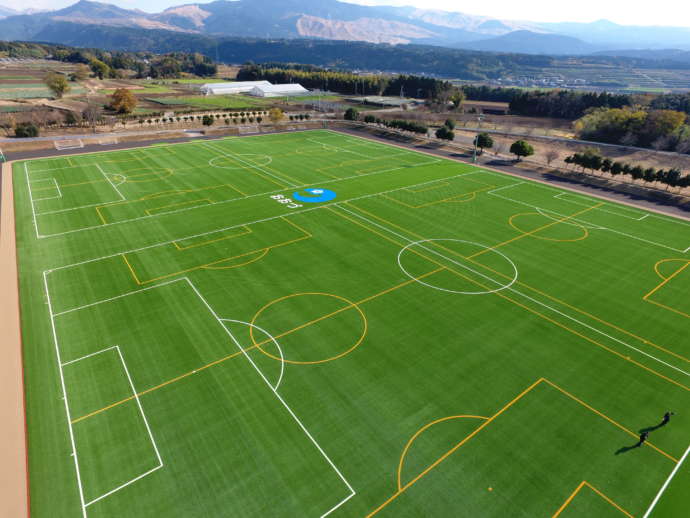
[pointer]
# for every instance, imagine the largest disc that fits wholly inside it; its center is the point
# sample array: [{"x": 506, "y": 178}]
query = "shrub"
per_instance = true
[{"x": 26, "y": 130}]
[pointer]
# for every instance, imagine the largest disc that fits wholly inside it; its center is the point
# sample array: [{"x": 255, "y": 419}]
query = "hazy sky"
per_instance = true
[{"x": 661, "y": 12}]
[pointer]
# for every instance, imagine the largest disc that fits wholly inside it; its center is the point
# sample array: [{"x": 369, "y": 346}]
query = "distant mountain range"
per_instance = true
[{"x": 336, "y": 20}]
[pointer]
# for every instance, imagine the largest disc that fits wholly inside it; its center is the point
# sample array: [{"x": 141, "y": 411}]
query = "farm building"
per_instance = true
[
  {"x": 231, "y": 88},
  {"x": 278, "y": 90}
]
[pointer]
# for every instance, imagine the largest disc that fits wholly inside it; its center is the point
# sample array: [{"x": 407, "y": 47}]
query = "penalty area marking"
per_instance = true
[
  {"x": 265, "y": 160},
  {"x": 482, "y": 292}
]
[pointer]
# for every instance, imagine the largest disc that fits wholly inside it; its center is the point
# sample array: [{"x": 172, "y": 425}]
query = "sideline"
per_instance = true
[
  {"x": 640, "y": 203},
  {"x": 14, "y": 489}
]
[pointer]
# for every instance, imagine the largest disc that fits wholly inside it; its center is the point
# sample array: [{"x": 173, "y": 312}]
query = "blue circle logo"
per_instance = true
[{"x": 316, "y": 195}]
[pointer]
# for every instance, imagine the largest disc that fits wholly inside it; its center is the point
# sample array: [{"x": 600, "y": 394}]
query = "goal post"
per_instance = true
[{"x": 61, "y": 145}]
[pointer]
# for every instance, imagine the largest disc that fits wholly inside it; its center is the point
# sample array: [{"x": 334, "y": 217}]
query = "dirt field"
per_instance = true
[{"x": 13, "y": 460}]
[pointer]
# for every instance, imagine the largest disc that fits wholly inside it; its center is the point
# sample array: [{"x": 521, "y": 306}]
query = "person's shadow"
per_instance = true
[
  {"x": 625, "y": 449},
  {"x": 652, "y": 428}
]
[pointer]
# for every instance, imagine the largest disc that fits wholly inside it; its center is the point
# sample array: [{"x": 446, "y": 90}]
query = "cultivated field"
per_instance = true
[{"x": 313, "y": 324}]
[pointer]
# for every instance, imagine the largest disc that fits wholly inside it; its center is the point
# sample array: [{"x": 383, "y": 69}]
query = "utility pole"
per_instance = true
[{"x": 476, "y": 138}]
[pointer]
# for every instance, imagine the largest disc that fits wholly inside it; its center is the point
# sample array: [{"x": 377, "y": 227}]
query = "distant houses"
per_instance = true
[{"x": 255, "y": 88}]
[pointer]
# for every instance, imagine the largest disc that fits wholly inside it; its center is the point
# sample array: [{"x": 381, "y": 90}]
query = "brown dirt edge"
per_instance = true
[{"x": 14, "y": 487}]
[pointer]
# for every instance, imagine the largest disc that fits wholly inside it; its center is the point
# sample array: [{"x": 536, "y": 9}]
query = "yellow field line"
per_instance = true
[
  {"x": 131, "y": 270},
  {"x": 525, "y": 234},
  {"x": 422, "y": 430},
  {"x": 632, "y": 434},
  {"x": 555, "y": 240},
  {"x": 569, "y": 499},
  {"x": 262, "y": 254},
  {"x": 662, "y": 284},
  {"x": 431, "y": 188},
  {"x": 614, "y": 504},
  {"x": 450, "y": 199},
  {"x": 602, "y": 495},
  {"x": 453, "y": 449},
  {"x": 492, "y": 418},
  {"x": 535, "y": 290},
  {"x": 201, "y": 266},
  {"x": 151, "y": 212},
  {"x": 257, "y": 345},
  {"x": 660, "y": 262},
  {"x": 563, "y": 326},
  {"x": 646, "y": 298},
  {"x": 246, "y": 231}
]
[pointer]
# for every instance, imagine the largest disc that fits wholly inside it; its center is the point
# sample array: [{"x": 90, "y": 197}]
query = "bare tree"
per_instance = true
[
  {"x": 629, "y": 139},
  {"x": 92, "y": 114},
  {"x": 683, "y": 146},
  {"x": 661, "y": 143},
  {"x": 551, "y": 155},
  {"x": 499, "y": 147},
  {"x": 8, "y": 123}
]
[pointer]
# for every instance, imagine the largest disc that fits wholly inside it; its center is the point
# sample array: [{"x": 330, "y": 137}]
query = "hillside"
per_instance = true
[{"x": 528, "y": 42}]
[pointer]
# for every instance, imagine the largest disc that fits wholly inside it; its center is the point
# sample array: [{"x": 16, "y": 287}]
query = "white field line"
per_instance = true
[
  {"x": 249, "y": 164},
  {"x": 558, "y": 196},
  {"x": 339, "y": 148},
  {"x": 88, "y": 355},
  {"x": 220, "y": 321},
  {"x": 64, "y": 397},
  {"x": 543, "y": 212},
  {"x": 270, "y": 218},
  {"x": 112, "y": 298},
  {"x": 105, "y": 175},
  {"x": 584, "y": 222},
  {"x": 279, "y": 397},
  {"x": 280, "y": 351},
  {"x": 31, "y": 201},
  {"x": 141, "y": 411},
  {"x": 513, "y": 290},
  {"x": 148, "y": 429},
  {"x": 126, "y": 484},
  {"x": 428, "y": 285},
  {"x": 231, "y": 200},
  {"x": 666, "y": 483},
  {"x": 57, "y": 187}
]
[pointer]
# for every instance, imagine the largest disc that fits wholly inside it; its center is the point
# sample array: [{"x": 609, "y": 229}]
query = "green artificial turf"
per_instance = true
[{"x": 437, "y": 340}]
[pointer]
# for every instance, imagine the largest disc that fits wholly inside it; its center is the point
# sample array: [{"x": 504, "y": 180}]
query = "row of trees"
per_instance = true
[
  {"x": 591, "y": 159},
  {"x": 657, "y": 129},
  {"x": 105, "y": 64},
  {"x": 446, "y": 132},
  {"x": 352, "y": 84},
  {"x": 564, "y": 104}
]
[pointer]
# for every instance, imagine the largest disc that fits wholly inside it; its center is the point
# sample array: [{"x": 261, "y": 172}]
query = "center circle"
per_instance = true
[
  {"x": 473, "y": 269},
  {"x": 348, "y": 305},
  {"x": 253, "y": 159}
]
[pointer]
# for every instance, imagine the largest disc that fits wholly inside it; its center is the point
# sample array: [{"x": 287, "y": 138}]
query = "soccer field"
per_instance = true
[{"x": 312, "y": 323}]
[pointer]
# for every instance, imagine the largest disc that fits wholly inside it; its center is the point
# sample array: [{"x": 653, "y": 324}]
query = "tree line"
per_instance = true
[
  {"x": 348, "y": 83},
  {"x": 110, "y": 64},
  {"x": 104, "y": 63},
  {"x": 352, "y": 114},
  {"x": 591, "y": 159},
  {"x": 663, "y": 130}
]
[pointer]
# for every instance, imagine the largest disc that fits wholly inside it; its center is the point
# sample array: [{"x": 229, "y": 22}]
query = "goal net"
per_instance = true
[{"x": 68, "y": 144}]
